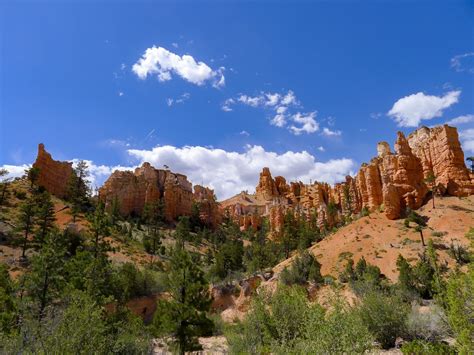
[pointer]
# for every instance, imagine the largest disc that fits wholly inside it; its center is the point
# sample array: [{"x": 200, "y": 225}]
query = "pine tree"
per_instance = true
[
  {"x": 78, "y": 190},
  {"x": 26, "y": 221},
  {"x": 184, "y": 315},
  {"x": 32, "y": 174},
  {"x": 4, "y": 182},
  {"x": 45, "y": 281},
  {"x": 45, "y": 216},
  {"x": 99, "y": 228}
]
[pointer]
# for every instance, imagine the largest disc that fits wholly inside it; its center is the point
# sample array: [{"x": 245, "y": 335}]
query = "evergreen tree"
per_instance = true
[
  {"x": 26, "y": 221},
  {"x": 45, "y": 217},
  {"x": 7, "y": 301},
  {"x": 78, "y": 190},
  {"x": 406, "y": 277},
  {"x": 183, "y": 316},
  {"x": 183, "y": 230},
  {"x": 99, "y": 228},
  {"x": 4, "y": 183},
  {"x": 289, "y": 233},
  {"x": 32, "y": 174},
  {"x": 45, "y": 281},
  {"x": 115, "y": 211}
]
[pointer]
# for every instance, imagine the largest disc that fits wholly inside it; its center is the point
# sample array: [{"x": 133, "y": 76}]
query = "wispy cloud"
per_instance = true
[
  {"x": 463, "y": 62},
  {"x": 461, "y": 120}
]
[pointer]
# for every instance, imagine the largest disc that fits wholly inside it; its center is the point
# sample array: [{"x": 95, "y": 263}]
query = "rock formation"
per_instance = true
[
  {"x": 441, "y": 154},
  {"x": 208, "y": 206},
  {"x": 53, "y": 175},
  {"x": 392, "y": 181},
  {"x": 133, "y": 190}
]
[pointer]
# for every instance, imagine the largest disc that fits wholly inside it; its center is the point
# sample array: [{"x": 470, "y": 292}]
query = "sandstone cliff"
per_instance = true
[{"x": 53, "y": 175}]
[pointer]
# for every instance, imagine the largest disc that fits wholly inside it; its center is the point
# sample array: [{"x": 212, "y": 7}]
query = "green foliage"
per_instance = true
[
  {"x": 7, "y": 301},
  {"x": 78, "y": 327},
  {"x": 422, "y": 347},
  {"x": 459, "y": 253},
  {"x": 78, "y": 191},
  {"x": 183, "y": 230},
  {"x": 460, "y": 309},
  {"x": 305, "y": 268},
  {"x": 363, "y": 278},
  {"x": 228, "y": 258},
  {"x": 99, "y": 228},
  {"x": 384, "y": 316},
  {"x": 32, "y": 175},
  {"x": 26, "y": 221},
  {"x": 45, "y": 216},
  {"x": 183, "y": 316},
  {"x": 309, "y": 329}
]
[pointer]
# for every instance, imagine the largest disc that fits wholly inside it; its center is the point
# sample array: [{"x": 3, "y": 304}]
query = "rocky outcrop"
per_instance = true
[
  {"x": 266, "y": 188},
  {"x": 392, "y": 181},
  {"x": 53, "y": 175},
  {"x": 441, "y": 155},
  {"x": 208, "y": 206},
  {"x": 133, "y": 190}
]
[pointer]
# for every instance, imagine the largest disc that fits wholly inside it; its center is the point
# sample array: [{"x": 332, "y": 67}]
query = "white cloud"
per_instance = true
[
  {"x": 120, "y": 93},
  {"x": 283, "y": 106},
  {"x": 307, "y": 123},
  {"x": 461, "y": 120},
  {"x": 458, "y": 62},
  {"x": 15, "y": 171},
  {"x": 228, "y": 173},
  {"x": 244, "y": 133},
  {"x": 329, "y": 133},
  {"x": 410, "y": 110},
  {"x": 170, "y": 101},
  {"x": 467, "y": 139},
  {"x": 163, "y": 63},
  {"x": 175, "y": 45},
  {"x": 226, "y": 106},
  {"x": 321, "y": 148}
]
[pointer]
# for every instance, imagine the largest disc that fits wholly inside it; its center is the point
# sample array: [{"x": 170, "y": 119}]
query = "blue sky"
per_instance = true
[{"x": 343, "y": 75}]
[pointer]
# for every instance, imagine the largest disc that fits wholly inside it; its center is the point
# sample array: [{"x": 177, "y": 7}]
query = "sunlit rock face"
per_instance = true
[
  {"x": 53, "y": 175},
  {"x": 392, "y": 180}
]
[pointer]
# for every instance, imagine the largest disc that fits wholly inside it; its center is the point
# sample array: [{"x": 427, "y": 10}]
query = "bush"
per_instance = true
[
  {"x": 384, "y": 316},
  {"x": 291, "y": 325},
  {"x": 459, "y": 253},
  {"x": 421, "y": 347},
  {"x": 429, "y": 325},
  {"x": 304, "y": 269}
]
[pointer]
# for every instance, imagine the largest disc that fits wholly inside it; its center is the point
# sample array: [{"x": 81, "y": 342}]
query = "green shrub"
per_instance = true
[
  {"x": 291, "y": 325},
  {"x": 305, "y": 268},
  {"x": 459, "y": 253},
  {"x": 421, "y": 347},
  {"x": 384, "y": 316}
]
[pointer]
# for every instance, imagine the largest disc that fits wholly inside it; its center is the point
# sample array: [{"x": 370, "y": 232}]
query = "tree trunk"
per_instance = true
[{"x": 422, "y": 238}]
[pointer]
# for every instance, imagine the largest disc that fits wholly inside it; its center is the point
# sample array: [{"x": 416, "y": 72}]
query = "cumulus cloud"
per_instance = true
[
  {"x": 463, "y": 62},
  {"x": 15, "y": 171},
  {"x": 228, "y": 173},
  {"x": 467, "y": 139},
  {"x": 307, "y": 123},
  {"x": 410, "y": 110},
  {"x": 461, "y": 120},
  {"x": 283, "y": 108},
  {"x": 163, "y": 63}
]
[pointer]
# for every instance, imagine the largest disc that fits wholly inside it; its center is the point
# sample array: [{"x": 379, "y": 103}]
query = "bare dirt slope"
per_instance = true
[{"x": 381, "y": 240}]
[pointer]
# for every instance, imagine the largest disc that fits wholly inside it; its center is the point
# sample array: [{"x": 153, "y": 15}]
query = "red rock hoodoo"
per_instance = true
[
  {"x": 53, "y": 175},
  {"x": 391, "y": 182}
]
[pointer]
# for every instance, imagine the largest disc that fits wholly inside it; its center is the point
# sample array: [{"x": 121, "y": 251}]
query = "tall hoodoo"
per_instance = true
[{"x": 53, "y": 175}]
